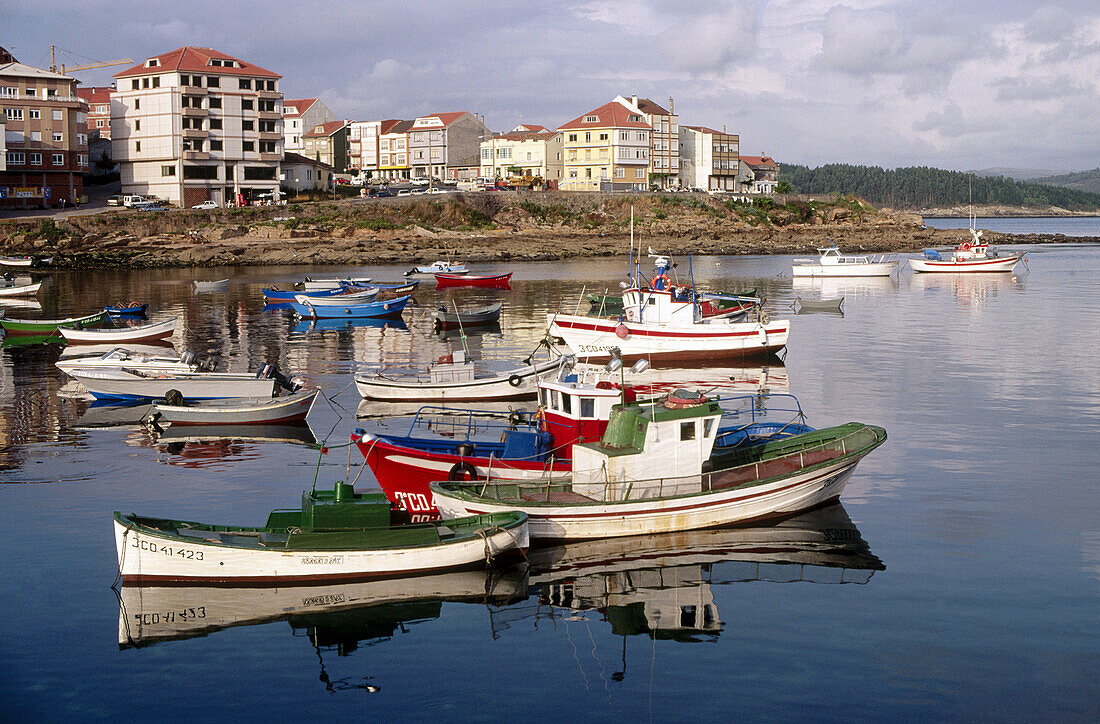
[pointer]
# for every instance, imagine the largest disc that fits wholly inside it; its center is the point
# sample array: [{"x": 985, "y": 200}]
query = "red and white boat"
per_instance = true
[
  {"x": 473, "y": 280},
  {"x": 663, "y": 322},
  {"x": 970, "y": 256}
]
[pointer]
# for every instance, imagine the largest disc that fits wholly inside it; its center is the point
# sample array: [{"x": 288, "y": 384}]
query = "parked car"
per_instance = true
[
  {"x": 132, "y": 200},
  {"x": 382, "y": 193},
  {"x": 115, "y": 200},
  {"x": 207, "y": 205},
  {"x": 147, "y": 207}
]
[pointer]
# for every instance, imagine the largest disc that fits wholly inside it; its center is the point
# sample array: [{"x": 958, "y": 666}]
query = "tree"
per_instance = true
[{"x": 782, "y": 187}]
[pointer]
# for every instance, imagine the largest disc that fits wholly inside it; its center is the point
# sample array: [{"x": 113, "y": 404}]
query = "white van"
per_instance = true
[{"x": 131, "y": 201}]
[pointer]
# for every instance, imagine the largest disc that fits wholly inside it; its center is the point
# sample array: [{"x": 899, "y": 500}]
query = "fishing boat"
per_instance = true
[
  {"x": 16, "y": 261},
  {"x": 338, "y": 534},
  {"x": 438, "y": 267},
  {"x": 18, "y": 286},
  {"x": 130, "y": 357},
  {"x": 239, "y": 411},
  {"x": 831, "y": 263},
  {"x": 663, "y": 322},
  {"x": 455, "y": 377},
  {"x": 213, "y": 285},
  {"x": 654, "y": 472},
  {"x": 311, "y": 284},
  {"x": 38, "y": 327},
  {"x": 473, "y": 280},
  {"x": 396, "y": 289},
  {"x": 342, "y": 293},
  {"x": 127, "y": 383},
  {"x": 329, "y": 308},
  {"x": 444, "y": 318},
  {"x": 121, "y": 335},
  {"x": 612, "y": 304},
  {"x": 969, "y": 256},
  {"x": 126, "y": 309}
]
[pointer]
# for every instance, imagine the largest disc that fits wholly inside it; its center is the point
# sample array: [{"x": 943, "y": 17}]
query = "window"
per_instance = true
[
  {"x": 588, "y": 137},
  {"x": 620, "y": 172},
  {"x": 209, "y": 173},
  {"x": 267, "y": 126},
  {"x": 215, "y": 103},
  {"x": 271, "y": 85},
  {"x": 82, "y": 159},
  {"x": 167, "y": 170},
  {"x": 13, "y": 136},
  {"x": 99, "y": 123},
  {"x": 572, "y": 173},
  {"x": 13, "y": 114},
  {"x": 152, "y": 63},
  {"x": 58, "y": 138},
  {"x": 418, "y": 138},
  {"x": 634, "y": 119},
  {"x": 16, "y": 158},
  {"x": 588, "y": 407},
  {"x": 215, "y": 145},
  {"x": 603, "y": 136},
  {"x": 135, "y": 84},
  {"x": 58, "y": 159},
  {"x": 247, "y": 104},
  {"x": 624, "y": 135},
  {"x": 259, "y": 173},
  {"x": 156, "y": 81},
  {"x": 687, "y": 430},
  {"x": 215, "y": 124},
  {"x": 639, "y": 173},
  {"x": 144, "y": 82},
  {"x": 486, "y": 153},
  {"x": 137, "y": 146},
  {"x": 245, "y": 83},
  {"x": 137, "y": 104},
  {"x": 248, "y": 146},
  {"x": 267, "y": 146},
  {"x": 213, "y": 81},
  {"x": 591, "y": 119},
  {"x": 9, "y": 91},
  {"x": 567, "y": 404},
  {"x": 572, "y": 137},
  {"x": 81, "y": 139},
  {"x": 35, "y": 114},
  {"x": 36, "y": 159},
  {"x": 247, "y": 125},
  {"x": 192, "y": 144},
  {"x": 708, "y": 427},
  {"x": 137, "y": 125}
]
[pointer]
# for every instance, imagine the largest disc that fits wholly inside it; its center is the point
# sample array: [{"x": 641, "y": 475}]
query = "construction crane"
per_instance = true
[{"x": 89, "y": 66}]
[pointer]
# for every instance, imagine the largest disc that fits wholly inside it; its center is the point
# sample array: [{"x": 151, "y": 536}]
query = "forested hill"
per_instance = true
[
  {"x": 922, "y": 187},
  {"x": 1082, "y": 181}
]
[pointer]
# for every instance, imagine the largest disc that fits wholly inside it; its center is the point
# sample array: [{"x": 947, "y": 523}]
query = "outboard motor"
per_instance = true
[
  {"x": 188, "y": 357},
  {"x": 290, "y": 384}
]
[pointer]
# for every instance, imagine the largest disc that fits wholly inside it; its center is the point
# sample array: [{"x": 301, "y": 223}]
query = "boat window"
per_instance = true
[
  {"x": 588, "y": 407},
  {"x": 567, "y": 403},
  {"x": 687, "y": 430},
  {"x": 555, "y": 404},
  {"x": 708, "y": 427},
  {"x": 544, "y": 397},
  {"x": 687, "y": 617}
]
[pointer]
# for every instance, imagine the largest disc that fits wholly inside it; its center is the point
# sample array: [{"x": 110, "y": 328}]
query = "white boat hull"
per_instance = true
[
  {"x": 593, "y": 338},
  {"x": 870, "y": 269},
  {"x": 122, "y": 335},
  {"x": 145, "y": 557},
  {"x": 23, "y": 290},
  {"x": 238, "y": 411},
  {"x": 996, "y": 264},
  {"x": 606, "y": 520},
  {"x": 120, "y": 384},
  {"x": 516, "y": 383}
]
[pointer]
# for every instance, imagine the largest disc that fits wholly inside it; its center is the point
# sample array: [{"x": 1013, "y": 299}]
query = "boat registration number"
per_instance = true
[
  {"x": 595, "y": 348},
  {"x": 413, "y": 502},
  {"x": 154, "y": 617},
  {"x": 148, "y": 545}
]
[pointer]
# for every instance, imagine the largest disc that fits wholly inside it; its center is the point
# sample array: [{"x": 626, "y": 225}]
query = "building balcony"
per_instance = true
[
  {"x": 189, "y": 112},
  {"x": 270, "y": 136},
  {"x": 269, "y": 115},
  {"x": 194, "y": 133},
  {"x": 193, "y": 90},
  {"x": 269, "y": 94},
  {"x": 196, "y": 156},
  {"x": 271, "y": 156}
]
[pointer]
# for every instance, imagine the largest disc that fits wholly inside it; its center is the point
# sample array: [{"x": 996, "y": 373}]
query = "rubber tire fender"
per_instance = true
[
  {"x": 462, "y": 470},
  {"x": 515, "y": 381},
  {"x": 173, "y": 398}
]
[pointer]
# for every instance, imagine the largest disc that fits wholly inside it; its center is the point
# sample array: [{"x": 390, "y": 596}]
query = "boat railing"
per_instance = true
[
  {"x": 760, "y": 464},
  {"x": 468, "y": 422}
]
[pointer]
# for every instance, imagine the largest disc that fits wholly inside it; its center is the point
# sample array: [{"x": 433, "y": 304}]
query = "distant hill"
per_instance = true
[
  {"x": 1018, "y": 174},
  {"x": 1082, "y": 181},
  {"x": 923, "y": 187}
]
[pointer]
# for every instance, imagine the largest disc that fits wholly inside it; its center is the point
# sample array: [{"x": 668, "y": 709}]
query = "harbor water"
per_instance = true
[{"x": 959, "y": 578}]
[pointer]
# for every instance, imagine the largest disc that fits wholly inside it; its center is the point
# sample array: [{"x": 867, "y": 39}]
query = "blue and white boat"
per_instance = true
[
  {"x": 345, "y": 293},
  {"x": 313, "y": 308}
]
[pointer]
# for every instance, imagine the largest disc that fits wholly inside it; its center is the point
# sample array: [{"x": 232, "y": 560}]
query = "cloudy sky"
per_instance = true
[{"x": 964, "y": 85}]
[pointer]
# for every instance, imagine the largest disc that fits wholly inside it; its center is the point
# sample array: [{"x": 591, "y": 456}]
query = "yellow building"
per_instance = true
[{"x": 606, "y": 149}]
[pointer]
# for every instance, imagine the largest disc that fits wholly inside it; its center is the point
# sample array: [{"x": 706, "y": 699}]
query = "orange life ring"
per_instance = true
[
  {"x": 966, "y": 246},
  {"x": 660, "y": 278}
]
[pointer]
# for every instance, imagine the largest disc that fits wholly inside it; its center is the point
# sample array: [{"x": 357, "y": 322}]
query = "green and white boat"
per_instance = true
[
  {"x": 50, "y": 326},
  {"x": 335, "y": 535}
]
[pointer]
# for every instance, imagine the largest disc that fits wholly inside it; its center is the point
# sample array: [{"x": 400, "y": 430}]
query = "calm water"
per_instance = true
[
  {"x": 960, "y": 579},
  {"x": 1070, "y": 226}
]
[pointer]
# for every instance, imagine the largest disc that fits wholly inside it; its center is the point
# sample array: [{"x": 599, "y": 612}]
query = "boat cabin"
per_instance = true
[
  {"x": 453, "y": 367},
  {"x": 576, "y": 408}
]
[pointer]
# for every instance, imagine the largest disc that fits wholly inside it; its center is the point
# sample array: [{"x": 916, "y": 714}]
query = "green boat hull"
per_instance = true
[{"x": 50, "y": 326}]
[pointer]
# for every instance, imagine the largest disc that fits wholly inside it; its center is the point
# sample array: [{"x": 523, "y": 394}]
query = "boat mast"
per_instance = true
[{"x": 630, "y": 263}]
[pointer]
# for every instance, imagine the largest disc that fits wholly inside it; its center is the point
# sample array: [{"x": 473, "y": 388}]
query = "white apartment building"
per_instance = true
[
  {"x": 709, "y": 159},
  {"x": 526, "y": 154},
  {"x": 300, "y": 115},
  {"x": 664, "y": 151},
  {"x": 196, "y": 124},
  {"x": 363, "y": 138}
]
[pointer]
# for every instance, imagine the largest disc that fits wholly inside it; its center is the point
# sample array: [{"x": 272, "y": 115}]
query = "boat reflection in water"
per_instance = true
[
  {"x": 102, "y": 413},
  {"x": 661, "y": 585},
  {"x": 206, "y": 446},
  {"x": 304, "y": 326},
  {"x": 340, "y": 617},
  {"x": 834, "y": 287}
]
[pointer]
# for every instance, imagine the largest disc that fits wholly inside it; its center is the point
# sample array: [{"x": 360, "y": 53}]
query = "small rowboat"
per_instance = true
[
  {"x": 124, "y": 383},
  {"x": 447, "y": 319},
  {"x": 338, "y": 534},
  {"x": 454, "y": 378},
  {"x": 319, "y": 285},
  {"x": 139, "y": 333},
  {"x": 275, "y": 294},
  {"x": 310, "y": 308},
  {"x": 438, "y": 267},
  {"x": 396, "y": 289},
  {"x": 473, "y": 280},
  {"x": 20, "y": 261},
  {"x": 216, "y": 285},
  {"x": 240, "y": 411},
  {"x": 49, "y": 326},
  {"x": 122, "y": 309},
  {"x": 20, "y": 290}
]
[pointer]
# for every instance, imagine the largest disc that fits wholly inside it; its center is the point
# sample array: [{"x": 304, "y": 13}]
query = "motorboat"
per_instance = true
[
  {"x": 831, "y": 263},
  {"x": 311, "y": 284},
  {"x": 145, "y": 359},
  {"x": 342, "y": 293},
  {"x": 127, "y": 383},
  {"x": 294, "y": 407},
  {"x": 969, "y": 256},
  {"x": 439, "y": 267},
  {"x": 126, "y": 309},
  {"x": 444, "y": 318},
  {"x": 19, "y": 286}
]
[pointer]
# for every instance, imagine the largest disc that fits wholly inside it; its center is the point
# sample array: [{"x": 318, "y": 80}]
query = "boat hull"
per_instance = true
[
  {"x": 511, "y": 385},
  {"x": 146, "y": 555},
  {"x": 997, "y": 264},
  {"x": 143, "y": 333},
  {"x": 445, "y": 319},
  {"x": 325, "y": 309},
  {"x": 23, "y": 290},
  {"x": 594, "y": 338},
  {"x": 48, "y": 326},
  {"x": 293, "y": 408},
  {"x": 121, "y": 385},
  {"x": 469, "y": 280}
]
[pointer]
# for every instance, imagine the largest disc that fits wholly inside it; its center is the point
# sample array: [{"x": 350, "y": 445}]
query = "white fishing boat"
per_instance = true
[
  {"x": 143, "y": 358},
  {"x": 16, "y": 261},
  {"x": 121, "y": 335},
  {"x": 126, "y": 383},
  {"x": 20, "y": 286},
  {"x": 656, "y": 471},
  {"x": 454, "y": 377},
  {"x": 338, "y": 534},
  {"x": 831, "y": 263},
  {"x": 969, "y": 256},
  {"x": 239, "y": 411},
  {"x": 439, "y": 267},
  {"x": 311, "y": 284},
  {"x": 663, "y": 322}
]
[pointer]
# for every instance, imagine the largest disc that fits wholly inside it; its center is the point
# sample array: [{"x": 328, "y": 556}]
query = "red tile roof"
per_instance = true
[
  {"x": 445, "y": 118},
  {"x": 395, "y": 126},
  {"x": 611, "y": 115},
  {"x": 300, "y": 106},
  {"x": 760, "y": 161},
  {"x": 324, "y": 129},
  {"x": 95, "y": 94},
  {"x": 529, "y": 128},
  {"x": 527, "y": 135},
  {"x": 650, "y": 107},
  {"x": 196, "y": 60}
]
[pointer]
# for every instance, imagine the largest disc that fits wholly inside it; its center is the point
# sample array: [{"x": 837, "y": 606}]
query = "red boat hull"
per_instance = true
[{"x": 473, "y": 280}]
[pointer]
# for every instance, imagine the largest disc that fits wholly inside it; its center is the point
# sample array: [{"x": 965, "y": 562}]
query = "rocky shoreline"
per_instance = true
[{"x": 472, "y": 227}]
